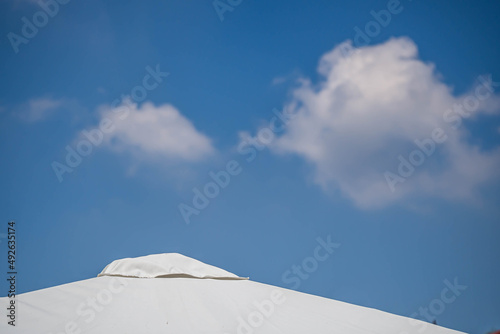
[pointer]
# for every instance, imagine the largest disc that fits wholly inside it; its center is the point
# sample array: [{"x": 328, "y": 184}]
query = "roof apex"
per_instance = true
[{"x": 165, "y": 265}]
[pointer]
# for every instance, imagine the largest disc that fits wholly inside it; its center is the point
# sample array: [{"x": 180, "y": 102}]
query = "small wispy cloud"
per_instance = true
[
  {"x": 282, "y": 79},
  {"x": 38, "y": 109},
  {"x": 278, "y": 81}
]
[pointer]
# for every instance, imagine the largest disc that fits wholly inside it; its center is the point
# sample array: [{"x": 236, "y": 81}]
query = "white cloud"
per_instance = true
[
  {"x": 368, "y": 109},
  {"x": 154, "y": 132},
  {"x": 38, "y": 109},
  {"x": 278, "y": 81}
]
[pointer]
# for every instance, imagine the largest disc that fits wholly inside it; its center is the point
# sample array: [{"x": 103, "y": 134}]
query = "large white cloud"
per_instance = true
[
  {"x": 367, "y": 111},
  {"x": 155, "y": 132}
]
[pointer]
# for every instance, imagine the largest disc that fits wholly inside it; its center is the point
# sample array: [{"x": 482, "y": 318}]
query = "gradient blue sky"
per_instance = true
[{"x": 225, "y": 79}]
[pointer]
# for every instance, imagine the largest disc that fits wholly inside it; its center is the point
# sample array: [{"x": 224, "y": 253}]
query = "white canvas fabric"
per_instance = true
[{"x": 124, "y": 303}]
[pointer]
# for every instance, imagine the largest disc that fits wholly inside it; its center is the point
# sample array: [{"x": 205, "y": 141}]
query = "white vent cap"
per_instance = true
[{"x": 165, "y": 265}]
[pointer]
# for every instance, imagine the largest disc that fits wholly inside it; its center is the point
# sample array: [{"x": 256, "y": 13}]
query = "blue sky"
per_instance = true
[{"x": 427, "y": 72}]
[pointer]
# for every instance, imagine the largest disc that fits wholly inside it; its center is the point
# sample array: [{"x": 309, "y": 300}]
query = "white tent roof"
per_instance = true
[{"x": 171, "y": 293}]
